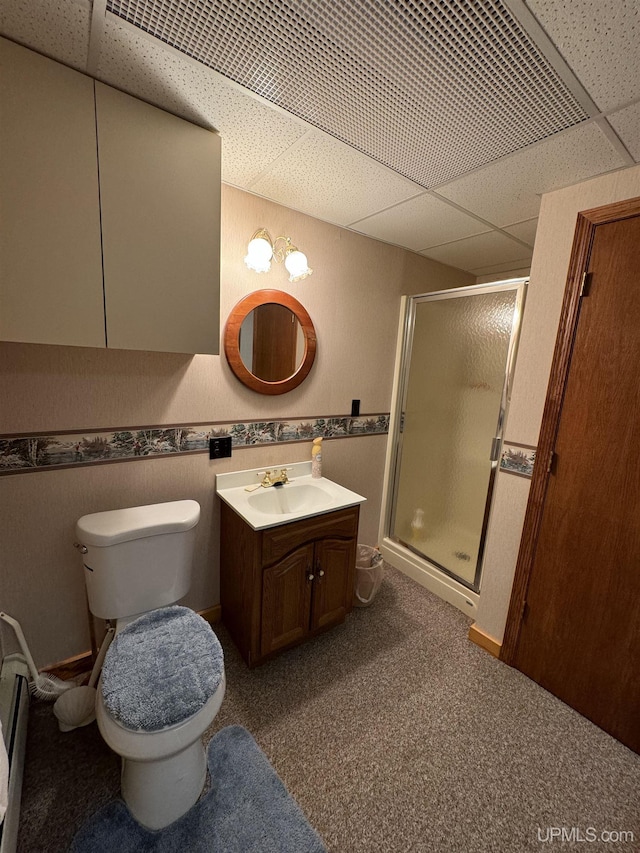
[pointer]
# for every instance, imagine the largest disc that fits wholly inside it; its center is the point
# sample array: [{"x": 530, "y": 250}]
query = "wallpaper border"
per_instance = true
[
  {"x": 22, "y": 454},
  {"x": 518, "y": 459}
]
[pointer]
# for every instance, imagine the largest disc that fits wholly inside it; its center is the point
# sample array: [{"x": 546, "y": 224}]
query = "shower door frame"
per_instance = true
[{"x": 428, "y": 573}]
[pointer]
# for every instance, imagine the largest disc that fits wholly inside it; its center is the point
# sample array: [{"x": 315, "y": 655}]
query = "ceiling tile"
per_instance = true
[
  {"x": 146, "y": 68},
  {"x": 483, "y": 250},
  {"x": 350, "y": 186},
  {"x": 419, "y": 223},
  {"x": 525, "y": 231},
  {"x": 508, "y": 190},
  {"x": 627, "y": 125},
  {"x": 500, "y": 269},
  {"x": 58, "y": 29},
  {"x": 600, "y": 41}
]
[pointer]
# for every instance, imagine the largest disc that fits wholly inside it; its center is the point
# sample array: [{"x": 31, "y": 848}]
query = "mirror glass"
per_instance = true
[{"x": 270, "y": 342}]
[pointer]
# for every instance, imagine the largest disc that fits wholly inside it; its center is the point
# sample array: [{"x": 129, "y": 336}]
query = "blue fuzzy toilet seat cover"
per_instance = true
[{"x": 161, "y": 669}]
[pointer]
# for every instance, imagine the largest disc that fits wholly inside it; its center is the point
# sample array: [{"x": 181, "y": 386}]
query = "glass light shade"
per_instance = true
[
  {"x": 259, "y": 253},
  {"x": 297, "y": 266}
]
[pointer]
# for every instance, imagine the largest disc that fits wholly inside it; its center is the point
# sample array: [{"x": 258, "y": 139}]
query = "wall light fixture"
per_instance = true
[{"x": 262, "y": 249}]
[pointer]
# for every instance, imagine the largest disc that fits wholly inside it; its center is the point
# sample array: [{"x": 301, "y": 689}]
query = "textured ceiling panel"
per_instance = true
[
  {"x": 600, "y": 41},
  {"x": 395, "y": 79},
  {"x": 486, "y": 274},
  {"x": 525, "y": 231},
  {"x": 419, "y": 223},
  {"x": 351, "y": 186},
  {"x": 146, "y": 68},
  {"x": 481, "y": 251},
  {"x": 58, "y": 29},
  {"x": 627, "y": 125},
  {"x": 509, "y": 191}
]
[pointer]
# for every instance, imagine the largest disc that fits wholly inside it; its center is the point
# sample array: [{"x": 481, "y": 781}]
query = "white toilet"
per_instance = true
[{"x": 163, "y": 679}]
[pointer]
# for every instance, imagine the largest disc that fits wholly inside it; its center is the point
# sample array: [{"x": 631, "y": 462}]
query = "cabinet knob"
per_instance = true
[
  {"x": 310, "y": 576},
  {"x": 320, "y": 574}
]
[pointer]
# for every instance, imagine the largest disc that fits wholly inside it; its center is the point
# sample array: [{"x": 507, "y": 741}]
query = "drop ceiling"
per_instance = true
[{"x": 430, "y": 124}]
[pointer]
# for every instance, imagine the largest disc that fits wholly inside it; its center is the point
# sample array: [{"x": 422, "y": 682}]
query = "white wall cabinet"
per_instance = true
[
  {"x": 110, "y": 215},
  {"x": 50, "y": 256}
]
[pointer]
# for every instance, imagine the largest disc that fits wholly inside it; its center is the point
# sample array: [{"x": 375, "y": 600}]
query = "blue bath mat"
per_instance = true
[{"x": 246, "y": 810}]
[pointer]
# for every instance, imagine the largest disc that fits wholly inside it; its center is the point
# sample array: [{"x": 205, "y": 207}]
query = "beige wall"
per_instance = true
[
  {"x": 549, "y": 269},
  {"x": 353, "y": 298}
]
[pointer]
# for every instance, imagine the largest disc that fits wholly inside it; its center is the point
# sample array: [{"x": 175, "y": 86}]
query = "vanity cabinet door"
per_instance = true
[
  {"x": 50, "y": 254},
  {"x": 286, "y": 600},
  {"x": 160, "y": 205},
  {"x": 333, "y": 582}
]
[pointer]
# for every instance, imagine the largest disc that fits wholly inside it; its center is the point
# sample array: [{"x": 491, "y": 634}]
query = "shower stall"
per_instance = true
[{"x": 455, "y": 360}]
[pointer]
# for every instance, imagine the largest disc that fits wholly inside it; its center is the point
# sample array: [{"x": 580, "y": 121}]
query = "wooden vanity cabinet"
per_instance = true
[{"x": 285, "y": 584}]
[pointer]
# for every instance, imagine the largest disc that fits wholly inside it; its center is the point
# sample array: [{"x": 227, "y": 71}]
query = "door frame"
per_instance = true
[{"x": 587, "y": 222}]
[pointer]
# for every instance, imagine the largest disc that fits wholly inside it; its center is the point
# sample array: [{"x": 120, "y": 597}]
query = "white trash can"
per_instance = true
[{"x": 369, "y": 570}]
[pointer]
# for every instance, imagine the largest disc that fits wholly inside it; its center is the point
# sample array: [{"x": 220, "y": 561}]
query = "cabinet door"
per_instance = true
[
  {"x": 286, "y": 599},
  {"x": 333, "y": 582},
  {"x": 50, "y": 254},
  {"x": 160, "y": 203}
]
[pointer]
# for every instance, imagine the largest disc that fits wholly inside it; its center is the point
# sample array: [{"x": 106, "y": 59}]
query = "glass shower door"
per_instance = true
[{"x": 458, "y": 353}]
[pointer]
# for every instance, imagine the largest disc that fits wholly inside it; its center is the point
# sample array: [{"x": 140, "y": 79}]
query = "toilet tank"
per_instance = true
[{"x": 137, "y": 559}]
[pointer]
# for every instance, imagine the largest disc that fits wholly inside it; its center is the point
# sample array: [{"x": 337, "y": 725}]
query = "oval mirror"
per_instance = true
[{"x": 270, "y": 342}]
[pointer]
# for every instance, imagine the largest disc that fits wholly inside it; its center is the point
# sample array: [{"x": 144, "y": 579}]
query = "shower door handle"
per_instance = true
[{"x": 495, "y": 449}]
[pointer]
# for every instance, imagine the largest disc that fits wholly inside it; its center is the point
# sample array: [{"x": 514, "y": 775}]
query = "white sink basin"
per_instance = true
[
  {"x": 292, "y": 497},
  {"x": 302, "y": 497}
]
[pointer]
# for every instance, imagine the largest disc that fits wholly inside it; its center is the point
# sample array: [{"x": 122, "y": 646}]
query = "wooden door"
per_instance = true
[
  {"x": 286, "y": 600},
  {"x": 334, "y": 582},
  {"x": 574, "y": 621}
]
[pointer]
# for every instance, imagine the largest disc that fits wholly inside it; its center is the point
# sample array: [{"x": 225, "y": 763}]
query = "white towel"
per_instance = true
[{"x": 4, "y": 777}]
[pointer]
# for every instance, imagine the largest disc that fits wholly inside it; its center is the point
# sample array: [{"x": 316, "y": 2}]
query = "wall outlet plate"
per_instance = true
[{"x": 220, "y": 448}]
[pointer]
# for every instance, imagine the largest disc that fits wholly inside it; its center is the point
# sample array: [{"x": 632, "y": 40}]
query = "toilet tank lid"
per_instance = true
[{"x": 122, "y": 525}]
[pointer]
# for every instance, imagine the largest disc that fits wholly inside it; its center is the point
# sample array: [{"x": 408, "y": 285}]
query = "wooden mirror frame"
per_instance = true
[{"x": 232, "y": 341}]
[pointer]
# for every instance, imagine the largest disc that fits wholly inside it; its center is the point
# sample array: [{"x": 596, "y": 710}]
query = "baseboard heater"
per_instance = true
[{"x": 14, "y": 714}]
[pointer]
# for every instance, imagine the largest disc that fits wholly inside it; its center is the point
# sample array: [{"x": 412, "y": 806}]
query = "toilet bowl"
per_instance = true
[{"x": 163, "y": 679}]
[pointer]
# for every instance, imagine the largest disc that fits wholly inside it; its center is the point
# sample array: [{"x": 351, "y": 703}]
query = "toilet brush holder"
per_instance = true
[{"x": 77, "y": 707}]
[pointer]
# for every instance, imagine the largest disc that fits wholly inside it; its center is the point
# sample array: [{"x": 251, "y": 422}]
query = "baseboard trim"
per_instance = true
[
  {"x": 71, "y": 668},
  {"x": 80, "y": 665},
  {"x": 212, "y": 614},
  {"x": 485, "y": 641}
]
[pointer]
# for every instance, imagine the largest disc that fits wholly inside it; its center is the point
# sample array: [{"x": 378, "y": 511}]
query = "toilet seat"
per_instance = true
[
  {"x": 162, "y": 683},
  {"x": 161, "y": 669},
  {"x": 137, "y": 745}
]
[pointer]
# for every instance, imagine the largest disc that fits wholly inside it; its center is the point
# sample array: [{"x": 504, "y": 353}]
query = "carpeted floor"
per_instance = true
[
  {"x": 246, "y": 809},
  {"x": 393, "y": 733}
]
